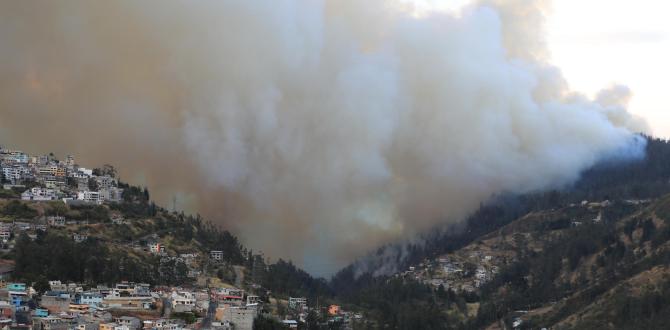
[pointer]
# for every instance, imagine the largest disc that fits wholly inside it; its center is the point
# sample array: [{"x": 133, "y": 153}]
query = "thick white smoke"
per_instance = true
[{"x": 315, "y": 130}]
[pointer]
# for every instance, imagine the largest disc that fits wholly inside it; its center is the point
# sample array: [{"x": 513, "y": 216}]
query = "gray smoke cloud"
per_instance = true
[{"x": 315, "y": 130}]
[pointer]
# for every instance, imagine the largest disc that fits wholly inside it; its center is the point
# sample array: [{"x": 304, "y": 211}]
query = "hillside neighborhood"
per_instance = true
[
  {"x": 193, "y": 286},
  {"x": 80, "y": 249}
]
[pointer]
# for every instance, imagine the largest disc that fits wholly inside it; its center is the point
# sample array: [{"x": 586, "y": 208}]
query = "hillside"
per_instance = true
[
  {"x": 593, "y": 254},
  {"x": 596, "y": 274},
  {"x": 113, "y": 242},
  {"x": 62, "y": 223},
  {"x": 569, "y": 258}
]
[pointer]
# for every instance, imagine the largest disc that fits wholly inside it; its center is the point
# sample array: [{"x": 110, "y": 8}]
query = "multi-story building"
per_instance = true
[
  {"x": 39, "y": 194},
  {"x": 216, "y": 255},
  {"x": 182, "y": 301},
  {"x": 89, "y": 197},
  {"x": 297, "y": 303}
]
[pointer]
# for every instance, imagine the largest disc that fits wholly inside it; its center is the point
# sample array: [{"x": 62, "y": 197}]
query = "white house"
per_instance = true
[
  {"x": 39, "y": 194},
  {"x": 79, "y": 237},
  {"x": 216, "y": 255},
  {"x": 89, "y": 196},
  {"x": 182, "y": 301},
  {"x": 156, "y": 247}
]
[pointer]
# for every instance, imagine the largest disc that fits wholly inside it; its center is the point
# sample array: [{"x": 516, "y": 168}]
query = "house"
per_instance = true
[
  {"x": 85, "y": 172},
  {"x": 111, "y": 194},
  {"x": 105, "y": 182},
  {"x": 333, "y": 310},
  {"x": 87, "y": 325},
  {"x": 56, "y": 302},
  {"x": 182, "y": 301},
  {"x": 231, "y": 296},
  {"x": 291, "y": 324},
  {"x": 22, "y": 225},
  {"x": 48, "y": 170},
  {"x": 129, "y": 296},
  {"x": 253, "y": 300},
  {"x": 89, "y": 197},
  {"x": 41, "y": 312},
  {"x": 16, "y": 287},
  {"x": 89, "y": 298},
  {"x": 16, "y": 173},
  {"x": 56, "y": 221},
  {"x": 164, "y": 324},
  {"x": 202, "y": 301},
  {"x": 216, "y": 255},
  {"x": 6, "y": 310},
  {"x": 78, "y": 238},
  {"x": 132, "y": 323},
  {"x": 297, "y": 303},
  {"x": 240, "y": 317},
  {"x": 58, "y": 286},
  {"x": 156, "y": 247},
  {"x": 39, "y": 194},
  {"x": 117, "y": 219},
  {"x": 69, "y": 161},
  {"x": 113, "y": 326},
  {"x": 79, "y": 308},
  {"x": 50, "y": 323}
]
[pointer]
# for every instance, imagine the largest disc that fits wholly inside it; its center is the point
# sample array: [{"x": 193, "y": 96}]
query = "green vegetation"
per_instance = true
[
  {"x": 576, "y": 264},
  {"x": 18, "y": 210},
  {"x": 188, "y": 317},
  {"x": 9, "y": 194},
  {"x": 265, "y": 323},
  {"x": 558, "y": 265}
]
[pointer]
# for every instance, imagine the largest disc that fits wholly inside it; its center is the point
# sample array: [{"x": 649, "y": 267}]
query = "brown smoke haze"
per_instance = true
[{"x": 315, "y": 130}]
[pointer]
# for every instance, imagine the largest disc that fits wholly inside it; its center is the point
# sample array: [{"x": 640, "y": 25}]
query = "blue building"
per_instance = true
[{"x": 41, "y": 312}]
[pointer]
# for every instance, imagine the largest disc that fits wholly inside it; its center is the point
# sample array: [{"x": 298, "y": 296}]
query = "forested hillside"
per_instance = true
[
  {"x": 558, "y": 261},
  {"x": 114, "y": 244}
]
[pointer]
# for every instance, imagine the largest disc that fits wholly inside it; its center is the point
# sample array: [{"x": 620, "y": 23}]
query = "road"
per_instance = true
[{"x": 209, "y": 317}]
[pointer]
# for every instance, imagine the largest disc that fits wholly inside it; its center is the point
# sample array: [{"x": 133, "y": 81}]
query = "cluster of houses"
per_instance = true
[
  {"x": 468, "y": 269},
  {"x": 52, "y": 179},
  {"x": 69, "y": 306},
  {"x": 125, "y": 306},
  {"x": 10, "y": 230},
  {"x": 458, "y": 272}
]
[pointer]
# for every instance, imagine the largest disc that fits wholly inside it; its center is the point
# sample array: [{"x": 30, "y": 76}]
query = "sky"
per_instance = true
[
  {"x": 598, "y": 43},
  {"x": 627, "y": 42}
]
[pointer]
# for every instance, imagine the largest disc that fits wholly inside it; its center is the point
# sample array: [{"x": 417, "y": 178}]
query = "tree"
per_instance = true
[
  {"x": 41, "y": 285},
  {"x": 181, "y": 272},
  {"x": 266, "y": 323},
  {"x": 312, "y": 320},
  {"x": 108, "y": 170},
  {"x": 72, "y": 182},
  {"x": 92, "y": 185}
]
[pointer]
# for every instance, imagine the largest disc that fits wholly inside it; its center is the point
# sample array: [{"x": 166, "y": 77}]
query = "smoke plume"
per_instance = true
[{"x": 315, "y": 130}]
